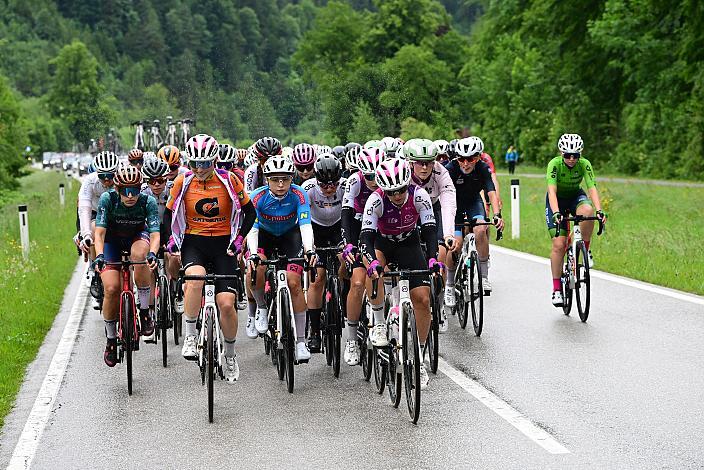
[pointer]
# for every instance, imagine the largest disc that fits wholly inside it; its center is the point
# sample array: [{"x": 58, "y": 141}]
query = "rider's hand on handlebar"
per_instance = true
[
  {"x": 171, "y": 245},
  {"x": 602, "y": 216},
  {"x": 151, "y": 260},
  {"x": 99, "y": 262},
  {"x": 236, "y": 246},
  {"x": 85, "y": 244},
  {"x": 311, "y": 258},
  {"x": 557, "y": 218},
  {"x": 451, "y": 243},
  {"x": 498, "y": 221},
  {"x": 253, "y": 261},
  {"x": 375, "y": 269},
  {"x": 349, "y": 253},
  {"x": 435, "y": 266}
]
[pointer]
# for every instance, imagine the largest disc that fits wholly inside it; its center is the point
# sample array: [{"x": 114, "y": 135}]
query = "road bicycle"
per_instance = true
[
  {"x": 155, "y": 140},
  {"x": 211, "y": 351},
  {"x": 162, "y": 298},
  {"x": 171, "y": 138},
  {"x": 139, "y": 135},
  {"x": 469, "y": 292},
  {"x": 128, "y": 321},
  {"x": 575, "y": 271},
  {"x": 185, "y": 130},
  {"x": 432, "y": 344},
  {"x": 280, "y": 338},
  {"x": 331, "y": 316}
]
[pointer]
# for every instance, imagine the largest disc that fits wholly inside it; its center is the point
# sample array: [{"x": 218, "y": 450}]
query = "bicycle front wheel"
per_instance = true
[
  {"x": 334, "y": 315},
  {"x": 566, "y": 289},
  {"x": 288, "y": 340},
  {"x": 394, "y": 377},
  {"x": 210, "y": 364},
  {"x": 583, "y": 282},
  {"x": 162, "y": 315},
  {"x": 411, "y": 364},
  {"x": 174, "y": 314},
  {"x": 379, "y": 371},
  {"x": 432, "y": 345},
  {"x": 127, "y": 319},
  {"x": 476, "y": 296}
]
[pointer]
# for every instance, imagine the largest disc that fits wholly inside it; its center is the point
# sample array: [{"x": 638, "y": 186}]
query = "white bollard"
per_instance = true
[
  {"x": 24, "y": 230},
  {"x": 515, "y": 210},
  {"x": 62, "y": 194}
]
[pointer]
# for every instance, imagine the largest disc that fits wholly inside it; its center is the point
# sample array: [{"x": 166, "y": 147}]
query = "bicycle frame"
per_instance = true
[
  {"x": 127, "y": 294},
  {"x": 209, "y": 313},
  {"x": 282, "y": 286}
]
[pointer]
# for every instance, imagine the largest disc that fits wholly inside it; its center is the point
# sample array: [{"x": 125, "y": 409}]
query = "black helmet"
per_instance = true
[
  {"x": 452, "y": 149},
  {"x": 328, "y": 169},
  {"x": 268, "y": 147},
  {"x": 351, "y": 145},
  {"x": 339, "y": 152}
]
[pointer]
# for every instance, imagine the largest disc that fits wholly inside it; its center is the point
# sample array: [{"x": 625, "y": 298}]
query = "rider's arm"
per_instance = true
[
  {"x": 85, "y": 206},
  {"x": 372, "y": 211},
  {"x": 246, "y": 205},
  {"x": 303, "y": 213},
  {"x": 99, "y": 240},
  {"x": 590, "y": 183},
  {"x": 350, "y": 229},
  {"x": 253, "y": 239},
  {"x": 552, "y": 185},
  {"x": 101, "y": 223},
  {"x": 153, "y": 224},
  {"x": 448, "y": 202},
  {"x": 428, "y": 229}
]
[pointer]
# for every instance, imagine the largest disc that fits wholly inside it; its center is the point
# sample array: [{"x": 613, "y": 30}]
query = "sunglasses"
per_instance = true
[
  {"x": 137, "y": 161},
  {"x": 201, "y": 165},
  {"x": 424, "y": 164},
  {"x": 369, "y": 177},
  {"x": 571, "y": 156},
  {"x": 129, "y": 190},
  {"x": 106, "y": 176},
  {"x": 329, "y": 185},
  {"x": 225, "y": 165},
  {"x": 397, "y": 192},
  {"x": 156, "y": 181},
  {"x": 468, "y": 159},
  {"x": 305, "y": 167},
  {"x": 279, "y": 179},
  {"x": 174, "y": 167}
]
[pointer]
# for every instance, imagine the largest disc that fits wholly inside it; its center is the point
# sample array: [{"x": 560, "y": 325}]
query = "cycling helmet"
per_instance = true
[
  {"x": 250, "y": 159},
  {"x": 154, "y": 168},
  {"x": 287, "y": 152},
  {"x": 241, "y": 154},
  {"x": 390, "y": 144},
  {"x": 324, "y": 149},
  {"x": 227, "y": 153},
  {"x": 279, "y": 165},
  {"x": 339, "y": 152},
  {"x": 267, "y": 147},
  {"x": 351, "y": 158},
  {"x": 105, "y": 162},
  {"x": 170, "y": 154},
  {"x": 148, "y": 155},
  {"x": 304, "y": 154},
  {"x": 452, "y": 148},
  {"x": 202, "y": 148},
  {"x": 328, "y": 169},
  {"x": 469, "y": 146},
  {"x": 419, "y": 150},
  {"x": 373, "y": 143},
  {"x": 369, "y": 160},
  {"x": 400, "y": 154},
  {"x": 570, "y": 143},
  {"x": 393, "y": 174},
  {"x": 442, "y": 146},
  {"x": 135, "y": 154},
  {"x": 351, "y": 145},
  {"x": 127, "y": 175}
]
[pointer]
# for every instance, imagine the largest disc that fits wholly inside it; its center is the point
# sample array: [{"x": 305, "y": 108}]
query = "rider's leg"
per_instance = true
[
  {"x": 482, "y": 242},
  {"x": 559, "y": 244},
  {"x": 228, "y": 320},
  {"x": 377, "y": 304},
  {"x": 315, "y": 300},
  {"x": 420, "y": 297},
  {"x": 192, "y": 295},
  {"x": 298, "y": 300},
  {"x": 111, "y": 286},
  {"x": 587, "y": 227}
]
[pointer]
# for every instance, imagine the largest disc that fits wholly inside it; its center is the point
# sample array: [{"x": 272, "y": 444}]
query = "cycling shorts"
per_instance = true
[
  {"x": 211, "y": 253},
  {"x": 567, "y": 205},
  {"x": 406, "y": 254},
  {"x": 288, "y": 244},
  {"x": 112, "y": 250},
  {"x": 437, "y": 212},
  {"x": 326, "y": 237},
  {"x": 474, "y": 209}
]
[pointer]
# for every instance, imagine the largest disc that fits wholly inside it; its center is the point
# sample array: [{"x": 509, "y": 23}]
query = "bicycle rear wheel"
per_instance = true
[
  {"x": 162, "y": 315},
  {"x": 379, "y": 371},
  {"x": 127, "y": 319},
  {"x": 411, "y": 364},
  {"x": 210, "y": 364},
  {"x": 583, "y": 283},
  {"x": 461, "y": 300},
  {"x": 174, "y": 314},
  {"x": 478, "y": 296},
  {"x": 394, "y": 375},
  {"x": 365, "y": 353}
]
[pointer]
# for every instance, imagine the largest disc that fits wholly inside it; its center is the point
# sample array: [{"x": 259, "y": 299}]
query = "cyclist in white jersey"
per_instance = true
[{"x": 254, "y": 175}]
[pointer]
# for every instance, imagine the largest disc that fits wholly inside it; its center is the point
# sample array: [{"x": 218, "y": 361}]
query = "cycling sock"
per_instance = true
[
  {"x": 314, "y": 316},
  {"x": 143, "y": 293},
  {"x": 230, "y": 347},
  {"x": 378, "y": 312},
  {"x": 587, "y": 243},
  {"x": 111, "y": 329},
  {"x": 252, "y": 308},
  {"x": 352, "y": 330},
  {"x": 258, "y": 295},
  {"x": 300, "y": 318},
  {"x": 450, "y": 277},
  {"x": 190, "y": 328},
  {"x": 556, "y": 285},
  {"x": 484, "y": 268}
]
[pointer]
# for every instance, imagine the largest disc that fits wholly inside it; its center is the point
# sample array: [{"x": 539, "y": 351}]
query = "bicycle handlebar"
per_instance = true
[
  {"x": 209, "y": 277},
  {"x": 275, "y": 262},
  {"x": 473, "y": 223},
  {"x": 581, "y": 218}
]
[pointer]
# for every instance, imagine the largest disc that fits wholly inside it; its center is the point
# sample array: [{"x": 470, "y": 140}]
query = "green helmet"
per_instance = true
[{"x": 420, "y": 150}]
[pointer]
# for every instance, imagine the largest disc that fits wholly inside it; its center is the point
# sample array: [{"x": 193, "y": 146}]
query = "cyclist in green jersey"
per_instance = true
[{"x": 565, "y": 196}]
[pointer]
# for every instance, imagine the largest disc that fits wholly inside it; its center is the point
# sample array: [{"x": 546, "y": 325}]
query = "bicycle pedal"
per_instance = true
[{"x": 302, "y": 361}]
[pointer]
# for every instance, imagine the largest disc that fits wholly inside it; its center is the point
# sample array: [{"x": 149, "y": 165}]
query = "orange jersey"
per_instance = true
[{"x": 207, "y": 204}]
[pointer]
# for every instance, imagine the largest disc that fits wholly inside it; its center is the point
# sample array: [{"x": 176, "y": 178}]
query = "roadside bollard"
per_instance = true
[
  {"x": 62, "y": 194},
  {"x": 24, "y": 230},
  {"x": 515, "y": 210}
]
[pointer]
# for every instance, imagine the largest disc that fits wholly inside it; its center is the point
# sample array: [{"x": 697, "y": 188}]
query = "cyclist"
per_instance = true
[
  {"x": 339, "y": 152},
  {"x": 127, "y": 220},
  {"x": 325, "y": 193},
  {"x": 204, "y": 211},
  {"x": 263, "y": 149},
  {"x": 390, "y": 145},
  {"x": 486, "y": 158},
  {"x": 227, "y": 159},
  {"x": 357, "y": 191},
  {"x": 435, "y": 179},
  {"x": 283, "y": 223},
  {"x": 394, "y": 211},
  {"x": 351, "y": 160},
  {"x": 565, "y": 196},
  {"x": 471, "y": 176},
  {"x": 241, "y": 155},
  {"x": 172, "y": 156},
  {"x": 136, "y": 158},
  {"x": 303, "y": 157}
]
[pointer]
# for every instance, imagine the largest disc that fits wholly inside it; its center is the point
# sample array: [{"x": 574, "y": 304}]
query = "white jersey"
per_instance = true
[
  {"x": 253, "y": 178},
  {"x": 88, "y": 198},
  {"x": 356, "y": 194},
  {"x": 325, "y": 211},
  {"x": 441, "y": 188},
  {"x": 161, "y": 199}
]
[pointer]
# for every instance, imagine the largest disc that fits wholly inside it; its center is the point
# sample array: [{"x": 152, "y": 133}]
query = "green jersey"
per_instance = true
[
  {"x": 121, "y": 221},
  {"x": 569, "y": 179}
]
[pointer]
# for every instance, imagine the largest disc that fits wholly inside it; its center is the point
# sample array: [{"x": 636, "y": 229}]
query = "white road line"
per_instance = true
[
  {"x": 36, "y": 422},
  {"x": 503, "y": 409},
  {"x": 675, "y": 294}
]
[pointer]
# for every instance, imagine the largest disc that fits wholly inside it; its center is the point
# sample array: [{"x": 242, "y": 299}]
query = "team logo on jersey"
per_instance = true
[{"x": 208, "y": 207}]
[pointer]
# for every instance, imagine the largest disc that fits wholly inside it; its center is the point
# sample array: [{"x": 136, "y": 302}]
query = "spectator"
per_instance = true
[{"x": 511, "y": 159}]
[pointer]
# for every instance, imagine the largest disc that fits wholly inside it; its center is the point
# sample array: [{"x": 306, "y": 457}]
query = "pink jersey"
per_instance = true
[{"x": 486, "y": 158}]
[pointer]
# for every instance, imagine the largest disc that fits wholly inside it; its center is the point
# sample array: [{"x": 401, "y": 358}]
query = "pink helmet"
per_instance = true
[
  {"x": 393, "y": 174},
  {"x": 202, "y": 147},
  {"x": 304, "y": 154},
  {"x": 369, "y": 159}
]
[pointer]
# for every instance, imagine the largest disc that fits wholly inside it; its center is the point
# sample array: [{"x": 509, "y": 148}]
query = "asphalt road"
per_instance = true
[{"x": 621, "y": 391}]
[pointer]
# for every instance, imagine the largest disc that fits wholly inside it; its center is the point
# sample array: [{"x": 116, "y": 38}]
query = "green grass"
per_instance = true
[
  {"x": 653, "y": 232},
  {"x": 32, "y": 290}
]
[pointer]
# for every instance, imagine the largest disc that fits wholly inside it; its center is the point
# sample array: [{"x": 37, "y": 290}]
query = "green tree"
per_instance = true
[
  {"x": 364, "y": 126},
  {"x": 13, "y": 137}
]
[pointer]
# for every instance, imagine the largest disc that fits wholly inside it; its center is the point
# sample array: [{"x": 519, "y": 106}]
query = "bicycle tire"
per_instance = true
[
  {"x": 162, "y": 316},
  {"x": 175, "y": 315},
  {"x": 565, "y": 282},
  {"x": 461, "y": 303},
  {"x": 411, "y": 364},
  {"x": 432, "y": 345},
  {"x": 583, "y": 284},
  {"x": 477, "y": 297},
  {"x": 325, "y": 335},
  {"x": 365, "y": 354},
  {"x": 128, "y": 314},
  {"x": 336, "y": 315},
  {"x": 394, "y": 376},
  {"x": 379, "y": 371},
  {"x": 289, "y": 340},
  {"x": 210, "y": 364}
]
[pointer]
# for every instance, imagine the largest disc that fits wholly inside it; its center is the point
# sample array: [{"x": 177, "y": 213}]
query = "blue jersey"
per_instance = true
[{"x": 279, "y": 215}]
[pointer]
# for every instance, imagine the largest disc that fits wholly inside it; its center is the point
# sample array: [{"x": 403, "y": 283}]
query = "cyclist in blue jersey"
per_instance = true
[{"x": 283, "y": 223}]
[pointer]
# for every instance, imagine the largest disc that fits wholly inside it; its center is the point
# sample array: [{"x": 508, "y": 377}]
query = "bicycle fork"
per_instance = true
[
  {"x": 209, "y": 314},
  {"x": 281, "y": 286}
]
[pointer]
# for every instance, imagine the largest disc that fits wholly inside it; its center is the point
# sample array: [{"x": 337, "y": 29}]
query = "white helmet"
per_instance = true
[
  {"x": 400, "y": 153},
  {"x": 469, "y": 146},
  {"x": 419, "y": 150},
  {"x": 227, "y": 153},
  {"x": 351, "y": 158},
  {"x": 105, "y": 162},
  {"x": 369, "y": 160},
  {"x": 287, "y": 152},
  {"x": 570, "y": 143},
  {"x": 390, "y": 144},
  {"x": 202, "y": 147},
  {"x": 279, "y": 165},
  {"x": 250, "y": 159},
  {"x": 373, "y": 143},
  {"x": 393, "y": 174},
  {"x": 323, "y": 149},
  {"x": 443, "y": 146}
]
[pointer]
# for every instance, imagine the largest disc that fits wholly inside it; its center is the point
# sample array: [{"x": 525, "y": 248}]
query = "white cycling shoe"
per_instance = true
[
  {"x": 261, "y": 320},
  {"x": 232, "y": 369},
  {"x": 449, "y": 296},
  {"x": 352, "y": 353},
  {"x": 178, "y": 306},
  {"x": 302, "y": 352},
  {"x": 591, "y": 258},
  {"x": 242, "y": 304},
  {"x": 444, "y": 323},
  {"x": 486, "y": 285},
  {"x": 557, "y": 299},
  {"x": 251, "y": 329},
  {"x": 190, "y": 348},
  {"x": 424, "y": 377},
  {"x": 378, "y": 335}
]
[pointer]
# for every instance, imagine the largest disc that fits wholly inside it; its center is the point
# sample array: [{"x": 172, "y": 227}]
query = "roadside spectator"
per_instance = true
[{"x": 511, "y": 159}]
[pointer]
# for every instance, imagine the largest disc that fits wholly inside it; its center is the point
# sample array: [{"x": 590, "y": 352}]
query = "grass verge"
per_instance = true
[
  {"x": 653, "y": 232},
  {"x": 32, "y": 289}
]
